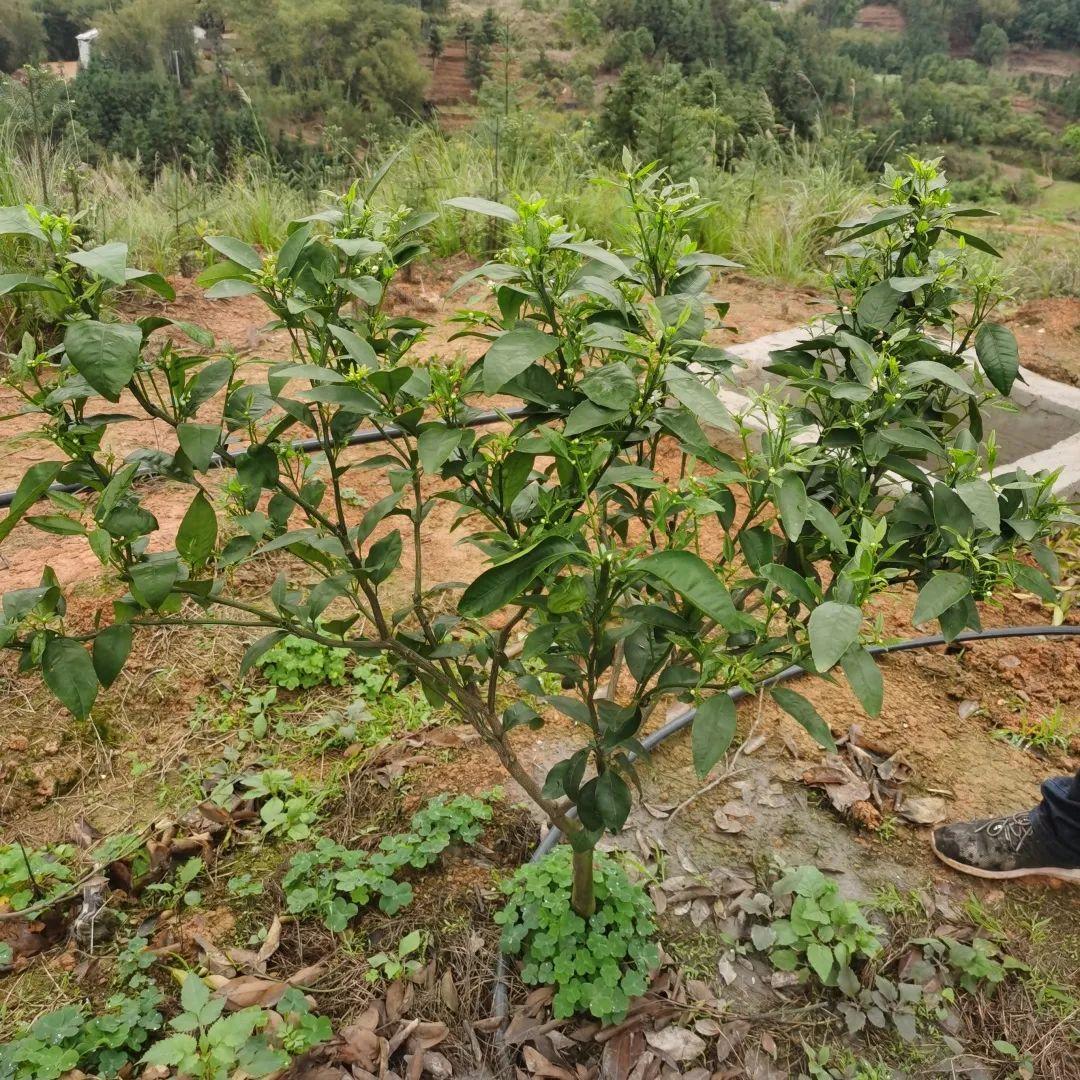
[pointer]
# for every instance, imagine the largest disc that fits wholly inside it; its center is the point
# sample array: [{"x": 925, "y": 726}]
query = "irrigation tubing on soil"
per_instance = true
[
  {"x": 361, "y": 438},
  {"x": 500, "y": 996}
]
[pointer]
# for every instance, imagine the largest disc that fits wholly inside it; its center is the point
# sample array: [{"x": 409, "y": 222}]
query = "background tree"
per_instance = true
[
  {"x": 22, "y": 35},
  {"x": 991, "y": 45},
  {"x": 435, "y": 43}
]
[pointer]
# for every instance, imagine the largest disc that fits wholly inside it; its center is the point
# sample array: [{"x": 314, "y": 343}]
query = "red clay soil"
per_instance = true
[
  {"x": 1048, "y": 332},
  {"x": 881, "y": 17}
]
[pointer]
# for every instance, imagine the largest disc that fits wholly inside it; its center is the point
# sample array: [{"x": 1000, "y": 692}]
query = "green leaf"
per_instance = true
[
  {"x": 236, "y": 251},
  {"x": 878, "y": 305},
  {"x": 104, "y": 354},
  {"x": 151, "y": 582},
  {"x": 698, "y": 398},
  {"x": 171, "y": 1051},
  {"x": 496, "y": 587},
  {"x": 864, "y": 677},
  {"x": 790, "y": 582},
  {"x": 69, "y": 673},
  {"x": 587, "y": 417},
  {"x": 827, "y": 525},
  {"x": 436, "y": 444},
  {"x": 24, "y": 283},
  {"x": 357, "y": 348},
  {"x": 230, "y": 289},
  {"x": 820, "y": 958},
  {"x": 1028, "y": 578},
  {"x": 999, "y": 356},
  {"x": 197, "y": 535},
  {"x": 939, "y": 594},
  {"x": 981, "y": 499},
  {"x": 797, "y": 706},
  {"x": 793, "y": 504},
  {"x": 33, "y": 485},
  {"x": 694, "y": 580},
  {"x": 977, "y": 242},
  {"x": 109, "y": 261},
  {"x": 612, "y": 386},
  {"x": 833, "y": 628},
  {"x": 486, "y": 207},
  {"x": 111, "y": 650},
  {"x": 199, "y": 441},
  {"x": 923, "y": 371},
  {"x": 712, "y": 731},
  {"x": 513, "y": 352},
  {"x": 612, "y": 800},
  {"x": 16, "y": 221}
]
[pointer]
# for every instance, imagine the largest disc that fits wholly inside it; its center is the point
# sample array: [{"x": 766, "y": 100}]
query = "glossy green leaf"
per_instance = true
[
  {"x": 712, "y": 731},
  {"x": 501, "y": 584},
  {"x": 796, "y": 706},
  {"x": 999, "y": 356},
  {"x": 69, "y": 673},
  {"x": 104, "y": 354},
  {"x": 938, "y": 595},
  {"x": 833, "y": 629},
  {"x": 696, "y": 582},
  {"x": 110, "y": 652},
  {"x": 33, "y": 485},
  {"x": 864, "y": 678},
  {"x": 513, "y": 352},
  {"x": 197, "y": 535}
]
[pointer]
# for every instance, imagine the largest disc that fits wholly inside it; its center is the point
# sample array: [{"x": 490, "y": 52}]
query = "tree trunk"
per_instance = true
[{"x": 582, "y": 896}]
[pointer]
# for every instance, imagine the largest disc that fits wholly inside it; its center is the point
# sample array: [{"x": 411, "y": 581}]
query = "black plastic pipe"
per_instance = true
[
  {"x": 361, "y": 438},
  {"x": 500, "y": 995}
]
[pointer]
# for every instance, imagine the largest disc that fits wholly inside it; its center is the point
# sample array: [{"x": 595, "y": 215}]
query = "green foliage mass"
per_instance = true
[
  {"x": 208, "y": 1044},
  {"x": 596, "y": 965},
  {"x": 822, "y": 935},
  {"x": 333, "y": 882},
  {"x": 28, "y": 875},
  {"x": 298, "y": 662},
  {"x": 69, "y": 1038}
]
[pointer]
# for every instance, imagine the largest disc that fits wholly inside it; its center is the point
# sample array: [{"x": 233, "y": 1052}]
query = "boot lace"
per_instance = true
[{"x": 1012, "y": 831}]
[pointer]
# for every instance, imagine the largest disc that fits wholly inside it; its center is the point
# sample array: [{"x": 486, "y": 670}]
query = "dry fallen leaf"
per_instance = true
[
  {"x": 539, "y": 1065},
  {"x": 923, "y": 811},
  {"x": 676, "y": 1043},
  {"x": 247, "y": 990},
  {"x": 273, "y": 940}
]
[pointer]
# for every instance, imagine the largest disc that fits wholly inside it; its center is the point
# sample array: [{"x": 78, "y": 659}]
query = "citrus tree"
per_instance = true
[{"x": 630, "y": 558}]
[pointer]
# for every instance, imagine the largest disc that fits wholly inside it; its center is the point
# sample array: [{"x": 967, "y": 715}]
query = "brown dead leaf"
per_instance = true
[
  {"x": 406, "y": 1029},
  {"x": 247, "y": 990},
  {"x": 307, "y": 976},
  {"x": 621, "y": 1054},
  {"x": 215, "y": 961},
  {"x": 448, "y": 992},
  {"x": 427, "y": 1035},
  {"x": 214, "y": 813},
  {"x": 398, "y": 999},
  {"x": 923, "y": 811},
  {"x": 842, "y": 787},
  {"x": 437, "y": 1065},
  {"x": 539, "y": 1065},
  {"x": 270, "y": 945},
  {"x": 360, "y": 1046},
  {"x": 676, "y": 1043}
]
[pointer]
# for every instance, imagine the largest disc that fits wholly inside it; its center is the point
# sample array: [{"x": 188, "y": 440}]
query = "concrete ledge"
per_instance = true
[{"x": 1042, "y": 434}]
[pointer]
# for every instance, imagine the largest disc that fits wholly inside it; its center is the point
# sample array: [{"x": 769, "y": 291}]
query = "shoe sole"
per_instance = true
[{"x": 1059, "y": 873}]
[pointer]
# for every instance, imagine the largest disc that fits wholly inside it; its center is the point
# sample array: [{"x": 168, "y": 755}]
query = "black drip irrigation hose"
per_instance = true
[
  {"x": 501, "y": 992},
  {"x": 361, "y": 438}
]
